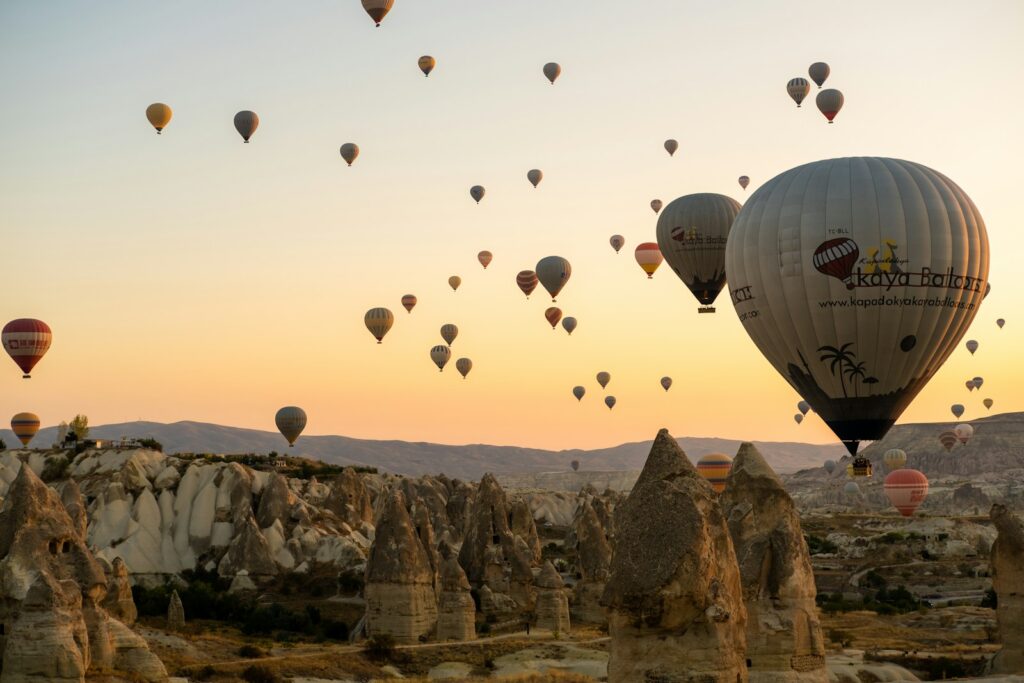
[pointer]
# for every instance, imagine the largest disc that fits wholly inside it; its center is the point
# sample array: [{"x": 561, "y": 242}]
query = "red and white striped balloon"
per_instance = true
[
  {"x": 906, "y": 490},
  {"x": 26, "y": 341}
]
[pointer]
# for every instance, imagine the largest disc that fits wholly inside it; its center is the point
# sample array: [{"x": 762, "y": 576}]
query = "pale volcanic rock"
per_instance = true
[
  {"x": 349, "y": 499},
  {"x": 249, "y": 552},
  {"x": 521, "y": 588},
  {"x": 175, "y": 613},
  {"x": 675, "y": 597},
  {"x": 593, "y": 556},
  {"x": 456, "y": 611},
  {"x": 487, "y": 526},
  {"x": 400, "y": 598},
  {"x": 275, "y": 502},
  {"x": 521, "y": 524},
  {"x": 552, "y": 604},
  {"x": 784, "y": 640},
  {"x": 1008, "y": 582},
  {"x": 119, "y": 602}
]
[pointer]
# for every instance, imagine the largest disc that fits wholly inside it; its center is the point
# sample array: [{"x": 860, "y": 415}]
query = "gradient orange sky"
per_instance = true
[{"x": 189, "y": 276}]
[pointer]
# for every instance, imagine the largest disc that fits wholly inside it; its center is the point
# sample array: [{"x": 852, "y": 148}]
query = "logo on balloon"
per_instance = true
[{"x": 836, "y": 258}]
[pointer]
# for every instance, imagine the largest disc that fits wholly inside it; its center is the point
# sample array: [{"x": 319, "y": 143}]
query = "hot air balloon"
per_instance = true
[
  {"x": 988, "y": 403},
  {"x": 527, "y": 281},
  {"x": 553, "y": 272},
  {"x": 463, "y": 365},
  {"x": 666, "y": 383},
  {"x": 830, "y": 466},
  {"x": 692, "y": 232},
  {"x": 849, "y": 470},
  {"x": 603, "y": 378},
  {"x": 485, "y": 258},
  {"x": 818, "y": 72},
  {"x": 609, "y": 401},
  {"x": 378, "y": 322},
  {"x": 963, "y": 432},
  {"x": 978, "y": 381},
  {"x": 851, "y": 489},
  {"x": 377, "y": 9},
  {"x": 25, "y": 426},
  {"x": 290, "y": 420},
  {"x": 969, "y": 384},
  {"x": 649, "y": 257},
  {"x": 477, "y": 192},
  {"x": 246, "y": 123},
  {"x": 552, "y": 71},
  {"x": 349, "y": 152},
  {"x": 440, "y": 355},
  {"x": 534, "y": 175},
  {"x": 579, "y": 392},
  {"x": 972, "y": 345},
  {"x": 798, "y": 89},
  {"x": 159, "y": 115},
  {"x": 894, "y": 459},
  {"x": 906, "y": 490},
  {"x": 803, "y": 407},
  {"x": 449, "y": 332},
  {"x": 26, "y": 341},
  {"x": 671, "y": 146},
  {"x": 798, "y": 418},
  {"x": 426, "y": 64},
  {"x": 409, "y": 301},
  {"x": 829, "y": 103},
  {"x": 454, "y": 281},
  {"x": 617, "y": 242},
  {"x": 1000, "y": 322},
  {"x": 569, "y": 324},
  {"x": 957, "y": 409},
  {"x": 743, "y": 181},
  {"x": 575, "y": 464},
  {"x": 948, "y": 439},
  {"x": 655, "y": 205},
  {"x": 859, "y": 367},
  {"x": 553, "y": 314},
  {"x": 715, "y": 468}
]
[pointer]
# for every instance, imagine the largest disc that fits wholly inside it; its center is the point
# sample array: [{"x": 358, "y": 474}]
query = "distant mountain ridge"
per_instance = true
[{"x": 416, "y": 458}]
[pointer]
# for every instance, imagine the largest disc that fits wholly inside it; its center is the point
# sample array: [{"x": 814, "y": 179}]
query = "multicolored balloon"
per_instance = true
[
  {"x": 569, "y": 324},
  {"x": 463, "y": 365},
  {"x": 26, "y": 341},
  {"x": 948, "y": 439},
  {"x": 527, "y": 281},
  {"x": 553, "y": 314},
  {"x": 246, "y": 123},
  {"x": 25, "y": 426},
  {"x": 894, "y": 459},
  {"x": 159, "y": 115},
  {"x": 829, "y": 103},
  {"x": 603, "y": 378},
  {"x": 290, "y": 421},
  {"x": 715, "y": 468},
  {"x": 426, "y": 64},
  {"x": 535, "y": 175},
  {"x": 440, "y": 354},
  {"x": 798, "y": 88},
  {"x": 649, "y": 257},
  {"x": 485, "y": 258},
  {"x": 906, "y": 490},
  {"x": 449, "y": 332},
  {"x": 409, "y": 302},
  {"x": 378, "y": 321},
  {"x": 553, "y": 272},
  {"x": 617, "y": 242},
  {"x": 378, "y": 9}
]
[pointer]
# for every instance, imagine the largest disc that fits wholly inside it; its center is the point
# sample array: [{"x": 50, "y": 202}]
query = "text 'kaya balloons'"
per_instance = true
[
  {"x": 692, "y": 232},
  {"x": 857, "y": 278},
  {"x": 26, "y": 341},
  {"x": 290, "y": 420}
]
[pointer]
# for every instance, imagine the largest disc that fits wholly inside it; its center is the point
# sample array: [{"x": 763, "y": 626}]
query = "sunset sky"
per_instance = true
[{"x": 188, "y": 276}]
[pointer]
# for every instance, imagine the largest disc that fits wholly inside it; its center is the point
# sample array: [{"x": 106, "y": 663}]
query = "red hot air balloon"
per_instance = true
[
  {"x": 26, "y": 341},
  {"x": 906, "y": 490},
  {"x": 409, "y": 301},
  {"x": 948, "y": 439},
  {"x": 527, "y": 281},
  {"x": 485, "y": 257},
  {"x": 553, "y": 314},
  {"x": 836, "y": 258}
]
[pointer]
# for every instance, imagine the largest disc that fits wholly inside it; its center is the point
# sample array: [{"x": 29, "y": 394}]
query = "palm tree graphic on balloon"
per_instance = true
[{"x": 845, "y": 361}]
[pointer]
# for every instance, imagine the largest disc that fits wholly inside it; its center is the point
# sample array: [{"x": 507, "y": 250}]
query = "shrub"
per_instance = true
[
  {"x": 818, "y": 546},
  {"x": 260, "y": 674},
  {"x": 251, "y": 652},
  {"x": 991, "y": 600},
  {"x": 350, "y": 582},
  {"x": 205, "y": 673},
  {"x": 55, "y": 469},
  {"x": 380, "y": 647},
  {"x": 151, "y": 444},
  {"x": 484, "y": 629}
]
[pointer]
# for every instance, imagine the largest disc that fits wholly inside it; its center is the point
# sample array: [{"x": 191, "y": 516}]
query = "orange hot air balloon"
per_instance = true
[
  {"x": 409, "y": 301},
  {"x": 948, "y": 439},
  {"x": 648, "y": 255},
  {"x": 715, "y": 468},
  {"x": 159, "y": 115},
  {"x": 25, "y": 426},
  {"x": 26, "y": 341},
  {"x": 527, "y": 281},
  {"x": 553, "y": 314},
  {"x": 485, "y": 257},
  {"x": 906, "y": 490},
  {"x": 454, "y": 281}
]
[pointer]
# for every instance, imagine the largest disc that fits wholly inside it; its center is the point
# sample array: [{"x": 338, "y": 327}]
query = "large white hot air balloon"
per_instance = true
[{"x": 857, "y": 278}]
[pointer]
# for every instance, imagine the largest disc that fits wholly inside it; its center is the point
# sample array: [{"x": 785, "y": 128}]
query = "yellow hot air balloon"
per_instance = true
[
  {"x": 449, "y": 332},
  {"x": 552, "y": 71},
  {"x": 378, "y": 9},
  {"x": 454, "y": 281},
  {"x": 535, "y": 175},
  {"x": 378, "y": 321},
  {"x": 25, "y": 426},
  {"x": 159, "y": 115},
  {"x": 290, "y": 420},
  {"x": 715, "y": 468},
  {"x": 246, "y": 123},
  {"x": 894, "y": 459},
  {"x": 463, "y": 365},
  {"x": 798, "y": 89},
  {"x": 427, "y": 64},
  {"x": 440, "y": 355},
  {"x": 649, "y": 257},
  {"x": 349, "y": 152}
]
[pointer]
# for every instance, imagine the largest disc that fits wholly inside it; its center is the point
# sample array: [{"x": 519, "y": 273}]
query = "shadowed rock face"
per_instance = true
[
  {"x": 488, "y": 525},
  {"x": 400, "y": 598},
  {"x": 456, "y": 612},
  {"x": 784, "y": 642},
  {"x": 593, "y": 556},
  {"x": 675, "y": 600},
  {"x": 248, "y": 552},
  {"x": 1008, "y": 582},
  {"x": 350, "y": 500},
  {"x": 552, "y": 604}
]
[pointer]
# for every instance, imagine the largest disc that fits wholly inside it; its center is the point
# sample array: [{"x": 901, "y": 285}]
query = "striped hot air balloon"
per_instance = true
[
  {"x": 648, "y": 255},
  {"x": 527, "y": 281},
  {"x": 553, "y": 314},
  {"x": 378, "y": 321},
  {"x": 449, "y": 332},
  {"x": 378, "y": 9},
  {"x": 26, "y": 341},
  {"x": 25, "y": 426},
  {"x": 409, "y": 302},
  {"x": 440, "y": 355},
  {"x": 798, "y": 88},
  {"x": 463, "y": 365},
  {"x": 963, "y": 432},
  {"x": 290, "y": 421},
  {"x": 715, "y": 468},
  {"x": 617, "y": 242},
  {"x": 485, "y": 257},
  {"x": 906, "y": 490},
  {"x": 948, "y": 439},
  {"x": 894, "y": 459}
]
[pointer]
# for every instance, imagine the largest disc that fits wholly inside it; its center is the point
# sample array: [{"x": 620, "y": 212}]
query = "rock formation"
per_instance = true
[
  {"x": 456, "y": 612},
  {"x": 675, "y": 598},
  {"x": 552, "y": 604},
  {"x": 74, "y": 503},
  {"x": 593, "y": 556},
  {"x": 349, "y": 499},
  {"x": 119, "y": 602},
  {"x": 1008, "y": 582},
  {"x": 784, "y": 641},
  {"x": 521, "y": 524},
  {"x": 275, "y": 502},
  {"x": 487, "y": 526},
  {"x": 175, "y": 613},
  {"x": 248, "y": 552},
  {"x": 51, "y": 594},
  {"x": 400, "y": 599}
]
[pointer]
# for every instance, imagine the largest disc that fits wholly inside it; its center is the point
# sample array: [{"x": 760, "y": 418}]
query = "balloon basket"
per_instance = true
[{"x": 706, "y": 309}]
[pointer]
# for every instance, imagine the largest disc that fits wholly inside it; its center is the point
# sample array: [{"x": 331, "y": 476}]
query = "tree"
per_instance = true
[
  {"x": 80, "y": 426},
  {"x": 840, "y": 358}
]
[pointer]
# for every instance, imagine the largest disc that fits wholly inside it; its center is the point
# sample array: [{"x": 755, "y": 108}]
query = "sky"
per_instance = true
[{"x": 188, "y": 276}]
